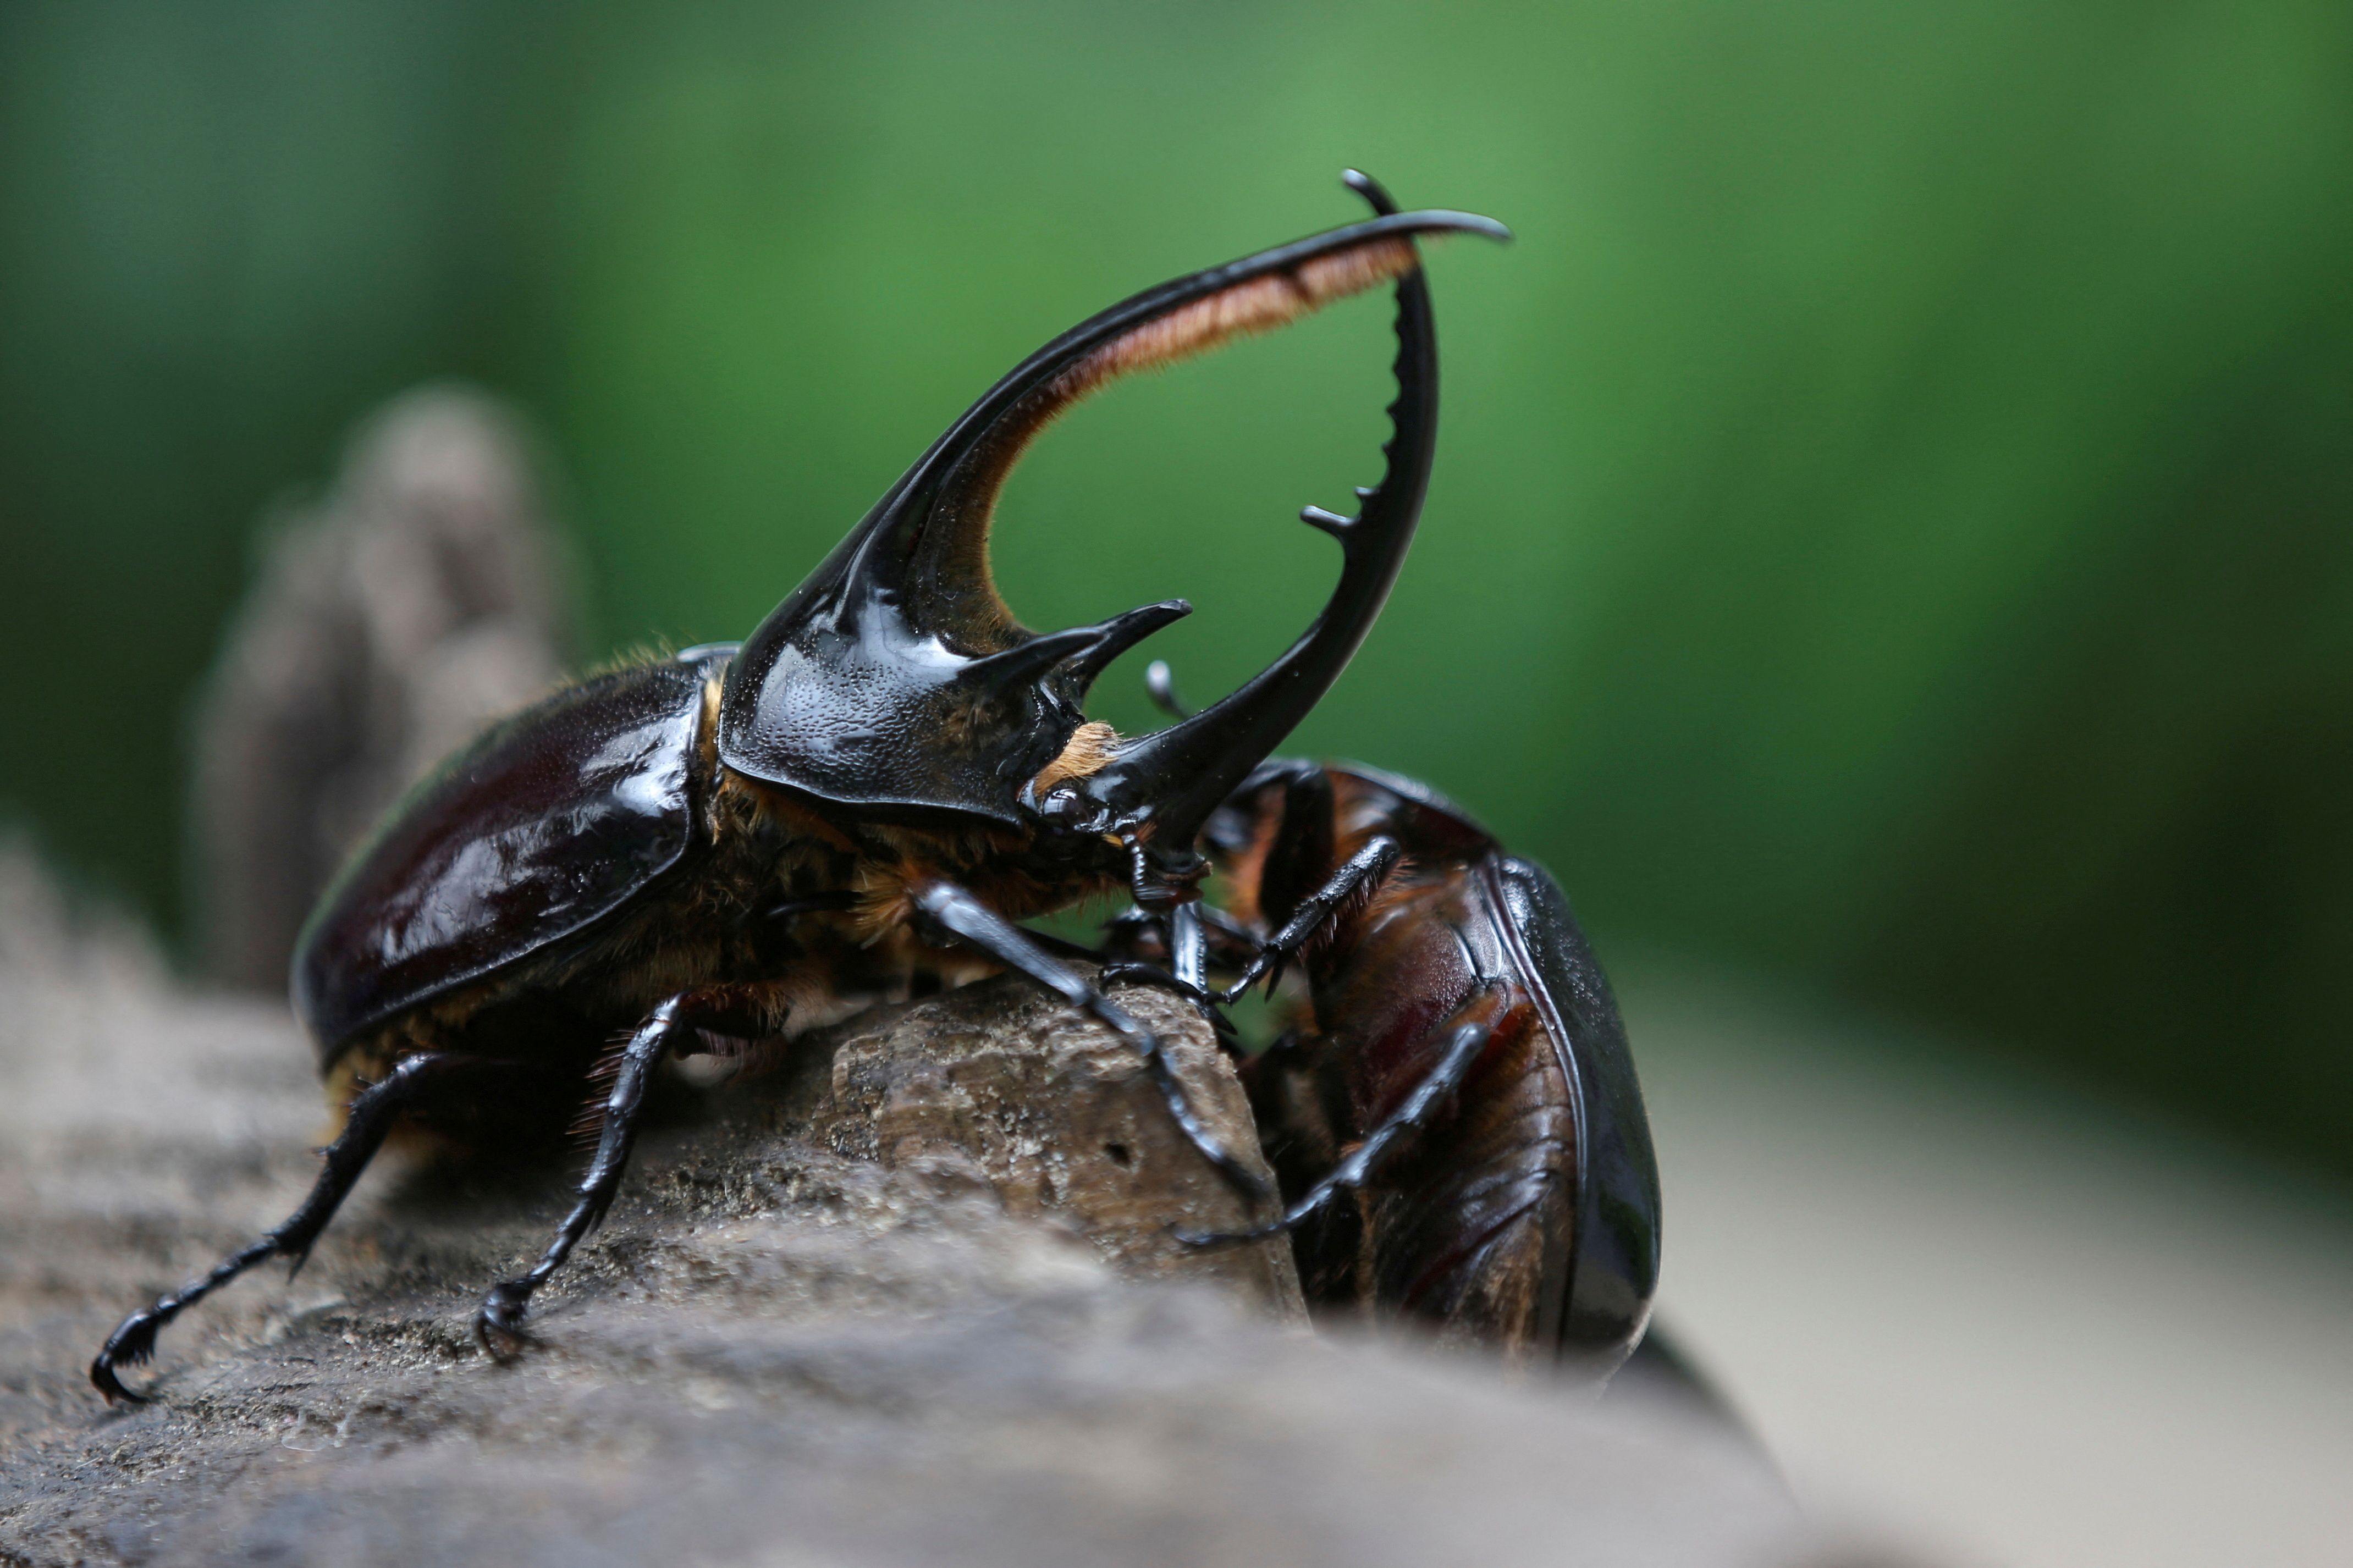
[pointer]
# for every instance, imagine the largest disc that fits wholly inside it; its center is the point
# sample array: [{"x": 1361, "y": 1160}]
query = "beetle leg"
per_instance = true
[
  {"x": 965, "y": 917},
  {"x": 1136, "y": 973},
  {"x": 1188, "y": 945},
  {"x": 1226, "y": 936},
  {"x": 1471, "y": 1037},
  {"x": 1203, "y": 1002},
  {"x": 1188, "y": 949},
  {"x": 674, "y": 1027},
  {"x": 415, "y": 1082},
  {"x": 1360, "y": 873},
  {"x": 1137, "y": 935}
]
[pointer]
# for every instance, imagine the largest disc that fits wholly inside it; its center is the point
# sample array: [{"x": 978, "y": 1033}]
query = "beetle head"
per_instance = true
[{"x": 895, "y": 680}]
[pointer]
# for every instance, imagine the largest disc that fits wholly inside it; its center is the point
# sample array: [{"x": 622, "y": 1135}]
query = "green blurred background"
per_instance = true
[{"x": 1891, "y": 528}]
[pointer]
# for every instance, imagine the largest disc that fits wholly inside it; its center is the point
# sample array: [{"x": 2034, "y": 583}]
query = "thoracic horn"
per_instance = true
[{"x": 894, "y": 676}]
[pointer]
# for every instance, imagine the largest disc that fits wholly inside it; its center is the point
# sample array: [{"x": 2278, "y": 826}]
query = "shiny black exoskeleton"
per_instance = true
[{"x": 722, "y": 848}]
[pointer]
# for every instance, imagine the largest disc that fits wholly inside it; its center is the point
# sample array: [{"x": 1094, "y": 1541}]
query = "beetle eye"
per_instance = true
[{"x": 1060, "y": 805}]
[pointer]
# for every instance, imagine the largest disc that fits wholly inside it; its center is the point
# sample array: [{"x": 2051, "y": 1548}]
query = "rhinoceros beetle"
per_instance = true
[{"x": 696, "y": 853}]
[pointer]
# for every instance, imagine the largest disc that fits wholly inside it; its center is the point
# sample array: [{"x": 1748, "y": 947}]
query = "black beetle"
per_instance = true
[{"x": 737, "y": 842}]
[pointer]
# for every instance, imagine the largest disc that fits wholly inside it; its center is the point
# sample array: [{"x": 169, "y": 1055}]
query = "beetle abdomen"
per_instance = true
[{"x": 550, "y": 821}]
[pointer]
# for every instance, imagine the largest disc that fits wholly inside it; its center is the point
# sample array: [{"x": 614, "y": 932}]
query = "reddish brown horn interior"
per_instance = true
[{"x": 1256, "y": 305}]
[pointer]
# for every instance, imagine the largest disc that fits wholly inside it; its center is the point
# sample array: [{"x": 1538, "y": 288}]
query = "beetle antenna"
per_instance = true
[{"x": 1160, "y": 685}]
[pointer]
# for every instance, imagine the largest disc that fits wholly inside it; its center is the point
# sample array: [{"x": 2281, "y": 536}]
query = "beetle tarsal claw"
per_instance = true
[
  {"x": 133, "y": 1344},
  {"x": 499, "y": 1320}
]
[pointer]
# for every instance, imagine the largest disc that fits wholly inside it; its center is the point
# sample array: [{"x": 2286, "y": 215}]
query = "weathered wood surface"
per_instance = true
[{"x": 910, "y": 1299}]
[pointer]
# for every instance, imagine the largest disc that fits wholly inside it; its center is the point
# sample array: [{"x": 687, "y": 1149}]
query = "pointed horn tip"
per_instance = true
[
  {"x": 1109, "y": 639},
  {"x": 1441, "y": 221},
  {"x": 1125, "y": 631},
  {"x": 1433, "y": 218}
]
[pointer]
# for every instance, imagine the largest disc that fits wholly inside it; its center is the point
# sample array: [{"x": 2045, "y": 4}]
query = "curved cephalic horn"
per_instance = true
[
  {"x": 895, "y": 677},
  {"x": 1163, "y": 785}
]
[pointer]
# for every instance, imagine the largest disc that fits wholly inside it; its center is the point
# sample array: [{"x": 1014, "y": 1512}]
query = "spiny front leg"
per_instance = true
[
  {"x": 957, "y": 913},
  {"x": 673, "y": 1028},
  {"x": 1357, "y": 877}
]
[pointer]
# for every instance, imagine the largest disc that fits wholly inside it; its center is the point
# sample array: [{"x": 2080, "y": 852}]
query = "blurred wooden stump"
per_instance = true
[{"x": 386, "y": 623}]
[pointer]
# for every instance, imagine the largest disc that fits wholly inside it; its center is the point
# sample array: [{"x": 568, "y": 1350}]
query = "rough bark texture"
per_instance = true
[{"x": 909, "y": 1299}]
